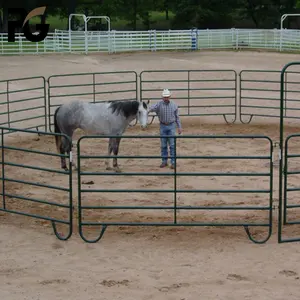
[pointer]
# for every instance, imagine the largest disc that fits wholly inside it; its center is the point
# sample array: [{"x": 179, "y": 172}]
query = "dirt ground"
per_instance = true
[{"x": 153, "y": 262}]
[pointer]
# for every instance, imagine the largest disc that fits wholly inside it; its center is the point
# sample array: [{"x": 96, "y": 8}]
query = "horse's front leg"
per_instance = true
[
  {"x": 110, "y": 149},
  {"x": 116, "y": 151},
  {"x": 63, "y": 149}
]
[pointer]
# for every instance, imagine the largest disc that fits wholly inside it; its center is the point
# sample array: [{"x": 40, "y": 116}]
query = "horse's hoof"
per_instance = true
[
  {"x": 118, "y": 170},
  {"x": 66, "y": 169},
  {"x": 109, "y": 168}
]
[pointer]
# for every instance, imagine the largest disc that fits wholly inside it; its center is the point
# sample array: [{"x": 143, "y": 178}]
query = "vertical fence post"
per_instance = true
[
  {"x": 86, "y": 44},
  {"x": 49, "y": 104},
  {"x": 70, "y": 39},
  {"x": 175, "y": 180},
  {"x": 94, "y": 88},
  {"x": 280, "y": 45},
  {"x": 194, "y": 38},
  {"x": 45, "y": 103},
  {"x": 150, "y": 39},
  {"x": 281, "y": 128},
  {"x": 3, "y": 170},
  {"x": 285, "y": 93},
  {"x": 7, "y": 99},
  {"x": 189, "y": 92}
]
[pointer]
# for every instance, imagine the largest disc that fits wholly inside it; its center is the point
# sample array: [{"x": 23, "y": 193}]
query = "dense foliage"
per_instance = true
[{"x": 178, "y": 14}]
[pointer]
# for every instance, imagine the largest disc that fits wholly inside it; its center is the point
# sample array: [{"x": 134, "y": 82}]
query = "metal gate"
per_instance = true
[
  {"x": 18, "y": 97},
  {"x": 289, "y": 167},
  {"x": 90, "y": 87},
  {"x": 32, "y": 182},
  {"x": 165, "y": 197},
  {"x": 259, "y": 96},
  {"x": 197, "y": 92}
]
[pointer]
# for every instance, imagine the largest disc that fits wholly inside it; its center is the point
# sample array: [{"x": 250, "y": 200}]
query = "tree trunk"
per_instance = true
[
  {"x": 71, "y": 10},
  {"x": 146, "y": 20},
  {"x": 252, "y": 12},
  {"x": 134, "y": 14},
  {"x": 5, "y": 17},
  {"x": 167, "y": 10}
]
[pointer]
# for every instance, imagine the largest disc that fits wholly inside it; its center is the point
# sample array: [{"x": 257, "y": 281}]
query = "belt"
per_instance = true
[{"x": 164, "y": 123}]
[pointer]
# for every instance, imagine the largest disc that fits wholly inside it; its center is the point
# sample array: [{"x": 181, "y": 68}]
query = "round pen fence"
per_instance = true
[
  {"x": 34, "y": 185},
  {"x": 289, "y": 168},
  {"x": 180, "y": 200},
  {"x": 31, "y": 185},
  {"x": 90, "y": 87},
  {"x": 197, "y": 92},
  {"x": 259, "y": 97},
  {"x": 20, "y": 96}
]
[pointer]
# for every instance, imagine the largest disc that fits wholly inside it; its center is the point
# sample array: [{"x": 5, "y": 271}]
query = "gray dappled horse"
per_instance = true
[{"x": 105, "y": 118}]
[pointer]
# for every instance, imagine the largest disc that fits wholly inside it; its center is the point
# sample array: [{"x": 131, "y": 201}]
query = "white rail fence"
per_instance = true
[{"x": 153, "y": 40}]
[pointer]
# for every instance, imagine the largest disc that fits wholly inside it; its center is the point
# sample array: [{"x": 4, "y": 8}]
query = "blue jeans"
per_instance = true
[{"x": 167, "y": 130}]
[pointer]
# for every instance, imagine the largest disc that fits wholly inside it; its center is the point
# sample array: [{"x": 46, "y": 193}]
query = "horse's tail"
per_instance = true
[{"x": 57, "y": 130}]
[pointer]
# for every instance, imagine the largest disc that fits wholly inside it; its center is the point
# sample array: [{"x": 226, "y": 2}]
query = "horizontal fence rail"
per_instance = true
[
  {"x": 23, "y": 103},
  {"x": 291, "y": 188},
  {"x": 114, "y": 41},
  {"x": 196, "y": 92},
  {"x": 29, "y": 103},
  {"x": 259, "y": 94},
  {"x": 31, "y": 186},
  {"x": 102, "y": 192},
  {"x": 90, "y": 87}
]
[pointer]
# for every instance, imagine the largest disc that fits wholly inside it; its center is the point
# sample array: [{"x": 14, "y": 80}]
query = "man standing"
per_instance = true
[{"x": 167, "y": 112}]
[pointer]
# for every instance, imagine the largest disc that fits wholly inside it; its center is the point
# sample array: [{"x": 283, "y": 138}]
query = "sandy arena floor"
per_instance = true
[{"x": 151, "y": 263}]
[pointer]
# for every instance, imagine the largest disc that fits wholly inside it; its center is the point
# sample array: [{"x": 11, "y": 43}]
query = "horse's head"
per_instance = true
[{"x": 142, "y": 115}]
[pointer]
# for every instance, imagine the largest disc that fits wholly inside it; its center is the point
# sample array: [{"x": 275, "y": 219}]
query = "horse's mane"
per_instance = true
[{"x": 127, "y": 108}]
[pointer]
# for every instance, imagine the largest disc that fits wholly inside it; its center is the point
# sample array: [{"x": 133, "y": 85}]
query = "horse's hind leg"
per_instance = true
[
  {"x": 116, "y": 151},
  {"x": 110, "y": 149},
  {"x": 60, "y": 144},
  {"x": 65, "y": 147},
  {"x": 63, "y": 159}
]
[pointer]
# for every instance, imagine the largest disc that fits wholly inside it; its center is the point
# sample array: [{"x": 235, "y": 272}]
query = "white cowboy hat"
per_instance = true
[{"x": 166, "y": 93}]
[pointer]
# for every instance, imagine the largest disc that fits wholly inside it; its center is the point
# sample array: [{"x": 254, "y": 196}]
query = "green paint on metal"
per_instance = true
[
  {"x": 16, "y": 102},
  {"x": 16, "y": 194},
  {"x": 283, "y": 169},
  {"x": 191, "y": 88},
  {"x": 92, "y": 87},
  {"x": 176, "y": 191},
  {"x": 255, "y": 102},
  {"x": 197, "y": 92},
  {"x": 286, "y": 206}
]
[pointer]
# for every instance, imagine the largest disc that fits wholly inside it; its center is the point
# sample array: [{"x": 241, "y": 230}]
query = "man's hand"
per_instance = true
[{"x": 179, "y": 130}]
